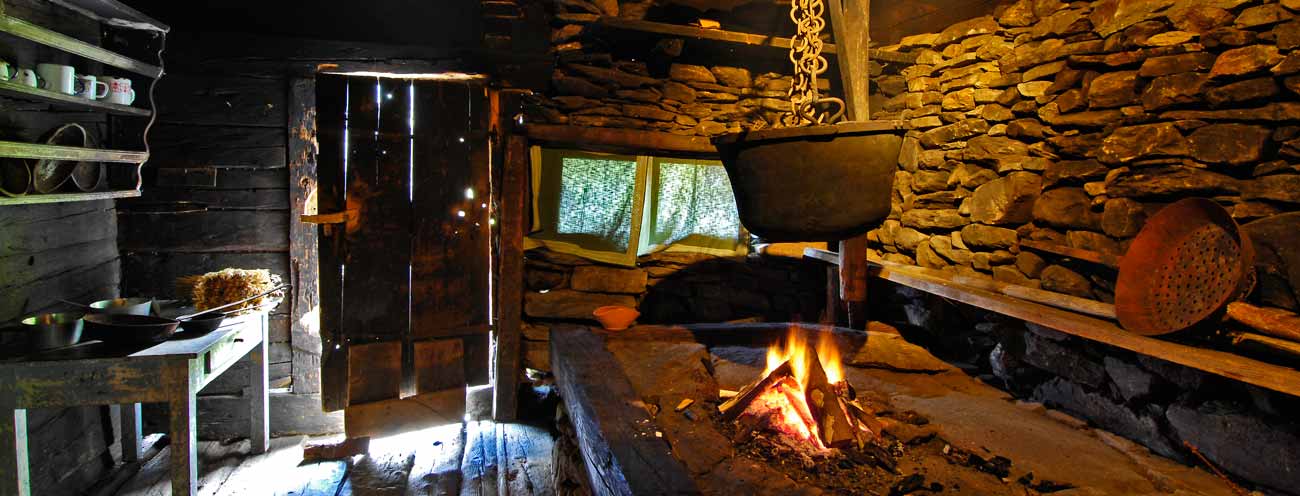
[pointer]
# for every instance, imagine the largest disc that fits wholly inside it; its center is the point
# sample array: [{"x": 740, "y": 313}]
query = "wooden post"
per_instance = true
[
  {"x": 259, "y": 420},
  {"x": 304, "y": 332},
  {"x": 849, "y": 21},
  {"x": 512, "y": 218},
  {"x": 132, "y": 432},
  {"x": 179, "y": 381}
]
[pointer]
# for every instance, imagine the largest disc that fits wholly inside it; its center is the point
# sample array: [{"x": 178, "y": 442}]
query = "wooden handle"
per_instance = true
[
  {"x": 334, "y": 218},
  {"x": 1274, "y": 322}
]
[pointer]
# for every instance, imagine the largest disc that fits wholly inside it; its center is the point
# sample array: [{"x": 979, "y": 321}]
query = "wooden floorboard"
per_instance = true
[
  {"x": 478, "y": 468},
  {"x": 436, "y": 471},
  {"x": 478, "y": 458},
  {"x": 527, "y": 452}
]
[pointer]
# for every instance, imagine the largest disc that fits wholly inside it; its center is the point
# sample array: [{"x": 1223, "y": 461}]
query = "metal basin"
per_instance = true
[
  {"x": 129, "y": 306},
  {"x": 53, "y": 330},
  {"x": 818, "y": 183}
]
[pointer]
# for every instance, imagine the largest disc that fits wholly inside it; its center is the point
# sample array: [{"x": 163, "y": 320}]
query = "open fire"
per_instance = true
[{"x": 803, "y": 403}]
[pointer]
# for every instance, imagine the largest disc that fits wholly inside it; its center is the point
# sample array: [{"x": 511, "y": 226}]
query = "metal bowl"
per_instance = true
[
  {"x": 15, "y": 177},
  {"x": 50, "y": 174},
  {"x": 129, "y": 306},
  {"x": 87, "y": 176},
  {"x": 53, "y": 330}
]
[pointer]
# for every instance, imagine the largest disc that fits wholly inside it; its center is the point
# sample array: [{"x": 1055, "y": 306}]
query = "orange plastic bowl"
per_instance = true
[{"x": 615, "y": 317}]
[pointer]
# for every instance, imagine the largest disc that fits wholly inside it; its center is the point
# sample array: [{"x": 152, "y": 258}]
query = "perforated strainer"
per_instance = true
[{"x": 1189, "y": 260}]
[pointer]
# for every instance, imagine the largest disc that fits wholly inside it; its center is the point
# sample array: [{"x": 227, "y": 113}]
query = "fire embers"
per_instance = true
[{"x": 803, "y": 404}]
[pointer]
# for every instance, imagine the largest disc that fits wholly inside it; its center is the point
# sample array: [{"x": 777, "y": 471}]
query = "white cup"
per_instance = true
[
  {"x": 87, "y": 87},
  {"x": 119, "y": 90},
  {"x": 7, "y": 71},
  {"x": 58, "y": 78},
  {"x": 27, "y": 77}
]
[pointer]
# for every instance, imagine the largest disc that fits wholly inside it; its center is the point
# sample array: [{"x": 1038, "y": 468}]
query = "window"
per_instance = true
[{"x": 613, "y": 208}]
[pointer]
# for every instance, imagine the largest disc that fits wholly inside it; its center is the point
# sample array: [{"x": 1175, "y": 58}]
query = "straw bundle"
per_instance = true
[{"x": 229, "y": 285}]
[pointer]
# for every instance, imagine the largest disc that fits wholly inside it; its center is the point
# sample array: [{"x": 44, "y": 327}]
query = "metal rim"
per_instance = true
[
  {"x": 14, "y": 172},
  {"x": 57, "y": 172},
  {"x": 1187, "y": 262}
]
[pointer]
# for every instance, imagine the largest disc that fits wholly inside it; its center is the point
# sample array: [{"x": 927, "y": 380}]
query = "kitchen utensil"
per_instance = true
[
  {"x": 87, "y": 176},
  {"x": 129, "y": 306},
  {"x": 48, "y": 174},
  {"x": 203, "y": 324},
  {"x": 616, "y": 317},
  {"x": 1187, "y": 262},
  {"x": 58, "y": 78},
  {"x": 129, "y": 328},
  {"x": 53, "y": 330},
  {"x": 88, "y": 87},
  {"x": 818, "y": 183},
  {"x": 27, "y": 77},
  {"x": 15, "y": 177},
  {"x": 119, "y": 90}
]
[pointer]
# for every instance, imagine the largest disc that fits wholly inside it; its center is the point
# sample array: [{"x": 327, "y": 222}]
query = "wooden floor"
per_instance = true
[{"x": 477, "y": 458}]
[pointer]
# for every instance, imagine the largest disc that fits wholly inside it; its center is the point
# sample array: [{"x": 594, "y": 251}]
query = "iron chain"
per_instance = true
[{"x": 806, "y": 103}]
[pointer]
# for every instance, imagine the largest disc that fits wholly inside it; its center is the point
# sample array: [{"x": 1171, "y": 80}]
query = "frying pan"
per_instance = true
[{"x": 146, "y": 329}]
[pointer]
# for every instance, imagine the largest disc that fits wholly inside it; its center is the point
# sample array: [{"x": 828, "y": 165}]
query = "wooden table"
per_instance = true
[{"x": 97, "y": 373}]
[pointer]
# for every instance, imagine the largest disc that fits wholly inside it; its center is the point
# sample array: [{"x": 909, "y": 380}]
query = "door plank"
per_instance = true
[
  {"x": 374, "y": 372},
  {"x": 388, "y": 417},
  {"x": 331, "y": 95},
  {"x": 440, "y": 365},
  {"x": 452, "y": 219}
]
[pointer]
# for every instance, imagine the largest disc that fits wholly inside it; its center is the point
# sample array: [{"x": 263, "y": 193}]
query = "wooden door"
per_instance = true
[{"x": 405, "y": 278}]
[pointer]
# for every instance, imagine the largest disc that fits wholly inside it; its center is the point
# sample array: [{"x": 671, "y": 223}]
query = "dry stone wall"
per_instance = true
[
  {"x": 667, "y": 288},
  {"x": 1073, "y": 122}
]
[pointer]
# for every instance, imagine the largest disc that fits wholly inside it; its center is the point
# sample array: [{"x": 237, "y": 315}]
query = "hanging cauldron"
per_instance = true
[{"x": 817, "y": 183}]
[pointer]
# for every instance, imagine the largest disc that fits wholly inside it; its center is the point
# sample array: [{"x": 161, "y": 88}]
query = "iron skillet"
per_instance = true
[{"x": 147, "y": 329}]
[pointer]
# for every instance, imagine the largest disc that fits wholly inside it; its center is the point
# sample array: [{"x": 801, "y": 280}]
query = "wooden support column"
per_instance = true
[
  {"x": 303, "y": 258},
  {"x": 849, "y": 21},
  {"x": 512, "y": 218}
]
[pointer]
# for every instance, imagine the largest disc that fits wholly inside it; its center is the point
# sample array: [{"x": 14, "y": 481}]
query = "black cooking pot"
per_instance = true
[{"x": 816, "y": 183}]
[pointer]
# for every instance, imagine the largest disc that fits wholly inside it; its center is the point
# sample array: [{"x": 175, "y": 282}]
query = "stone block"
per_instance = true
[
  {"x": 1257, "y": 449},
  {"x": 1067, "y": 207},
  {"x": 982, "y": 236},
  {"x": 1006, "y": 200}
]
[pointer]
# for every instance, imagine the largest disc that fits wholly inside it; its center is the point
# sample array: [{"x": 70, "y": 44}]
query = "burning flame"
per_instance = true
[{"x": 795, "y": 350}]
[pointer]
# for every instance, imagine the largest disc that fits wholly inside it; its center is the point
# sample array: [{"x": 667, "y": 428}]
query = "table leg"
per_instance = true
[
  {"x": 15, "y": 472},
  {"x": 259, "y": 433},
  {"x": 181, "y": 391},
  {"x": 132, "y": 433}
]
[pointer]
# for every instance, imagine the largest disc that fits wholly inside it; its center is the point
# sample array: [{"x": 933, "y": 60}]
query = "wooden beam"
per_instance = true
[
  {"x": 1106, "y": 259},
  {"x": 303, "y": 254},
  {"x": 1236, "y": 367},
  {"x": 719, "y": 35},
  {"x": 619, "y": 140},
  {"x": 513, "y": 215},
  {"x": 849, "y": 22},
  {"x": 622, "y": 453}
]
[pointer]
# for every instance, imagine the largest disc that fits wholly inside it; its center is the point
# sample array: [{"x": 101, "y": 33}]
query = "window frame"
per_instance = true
[{"x": 546, "y": 168}]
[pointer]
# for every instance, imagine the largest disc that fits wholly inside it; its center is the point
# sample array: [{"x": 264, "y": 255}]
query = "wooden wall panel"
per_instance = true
[
  {"x": 221, "y": 101},
  {"x": 303, "y": 255}
]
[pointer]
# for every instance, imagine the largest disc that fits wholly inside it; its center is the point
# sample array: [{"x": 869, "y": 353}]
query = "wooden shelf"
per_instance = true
[
  {"x": 32, "y": 32},
  {"x": 114, "y": 13},
  {"x": 750, "y": 39},
  {"x": 19, "y": 91},
  {"x": 1266, "y": 375},
  {"x": 15, "y": 149},
  {"x": 69, "y": 197}
]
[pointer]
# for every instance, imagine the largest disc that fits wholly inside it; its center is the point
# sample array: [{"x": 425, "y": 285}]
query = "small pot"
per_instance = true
[
  {"x": 53, "y": 330},
  {"x": 129, "y": 306},
  {"x": 616, "y": 317}
]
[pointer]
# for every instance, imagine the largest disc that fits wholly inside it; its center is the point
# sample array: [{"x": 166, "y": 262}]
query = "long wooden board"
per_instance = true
[
  {"x": 1275, "y": 377},
  {"x": 622, "y": 453},
  {"x": 331, "y": 93}
]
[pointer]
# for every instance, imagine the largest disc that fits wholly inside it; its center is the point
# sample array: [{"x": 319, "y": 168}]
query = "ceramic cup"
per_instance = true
[
  {"x": 27, "y": 77},
  {"x": 6, "y": 71},
  {"x": 88, "y": 87},
  {"x": 119, "y": 90},
  {"x": 58, "y": 78}
]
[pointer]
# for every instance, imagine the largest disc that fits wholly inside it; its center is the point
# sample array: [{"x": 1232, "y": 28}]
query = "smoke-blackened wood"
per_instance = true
[
  {"x": 175, "y": 145},
  {"x": 331, "y": 93},
  {"x": 451, "y": 228},
  {"x": 378, "y": 239},
  {"x": 513, "y": 215},
  {"x": 222, "y": 100},
  {"x": 211, "y": 231},
  {"x": 303, "y": 259},
  {"x": 622, "y": 453},
  {"x": 374, "y": 371}
]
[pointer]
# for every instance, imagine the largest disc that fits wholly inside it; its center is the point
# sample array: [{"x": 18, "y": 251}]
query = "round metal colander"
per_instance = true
[{"x": 1189, "y": 260}]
